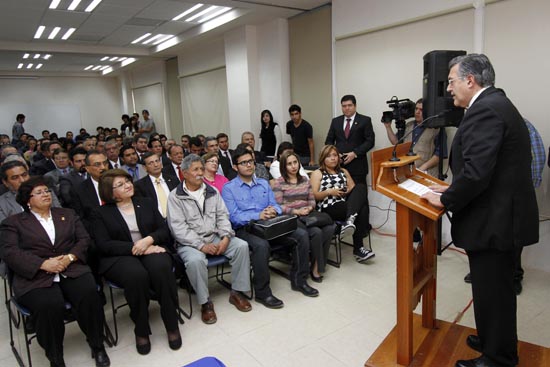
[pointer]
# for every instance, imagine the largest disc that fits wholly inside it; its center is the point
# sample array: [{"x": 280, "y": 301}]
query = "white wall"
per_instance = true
[{"x": 98, "y": 99}]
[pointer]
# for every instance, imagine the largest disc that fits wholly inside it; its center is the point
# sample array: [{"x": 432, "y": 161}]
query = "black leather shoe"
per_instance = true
[
  {"x": 468, "y": 278},
  {"x": 306, "y": 290},
  {"x": 318, "y": 279},
  {"x": 101, "y": 358},
  {"x": 270, "y": 301},
  {"x": 174, "y": 340},
  {"x": 143, "y": 348},
  {"x": 477, "y": 362},
  {"x": 473, "y": 342},
  {"x": 518, "y": 287}
]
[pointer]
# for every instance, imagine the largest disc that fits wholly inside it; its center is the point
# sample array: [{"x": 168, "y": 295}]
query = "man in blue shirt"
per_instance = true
[{"x": 248, "y": 198}]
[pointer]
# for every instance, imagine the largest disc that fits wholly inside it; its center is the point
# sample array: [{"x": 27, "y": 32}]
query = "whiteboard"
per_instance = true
[{"x": 58, "y": 118}]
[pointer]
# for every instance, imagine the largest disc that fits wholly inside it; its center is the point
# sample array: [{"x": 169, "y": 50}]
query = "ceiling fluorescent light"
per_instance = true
[
  {"x": 68, "y": 33},
  {"x": 97, "y": 67},
  {"x": 163, "y": 46},
  {"x": 122, "y": 58},
  {"x": 113, "y": 58},
  {"x": 47, "y": 56},
  {"x": 73, "y": 5},
  {"x": 54, "y": 4},
  {"x": 152, "y": 39},
  {"x": 214, "y": 15},
  {"x": 104, "y": 58},
  {"x": 36, "y": 56},
  {"x": 39, "y": 31},
  {"x": 54, "y": 33},
  {"x": 165, "y": 38},
  {"x": 188, "y": 11},
  {"x": 107, "y": 71},
  {"x": 38, "y": 66},
  {"x": 29, "y": 66},
  {"x": 205, "y": 11},
  {"x": 26, "y": 56},
  {"x": 20, "y": 66},
  {"x": 92, "y": 6},
  {"x": 104, "y": 67},
  {"x": 141, "y": 38},
  {"x": 88, "y": 67},
  {"x": 127, "y": 61}
]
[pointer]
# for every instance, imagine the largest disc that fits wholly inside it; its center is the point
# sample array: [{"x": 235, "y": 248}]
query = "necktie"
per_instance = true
[
  {"x": 347, "y": 128},
  {"x": 180, "y": 173},
  {"x": 116, "y": 165},
  {"x": 161, "y": 195},
  {"x": 226, "y": 153}
]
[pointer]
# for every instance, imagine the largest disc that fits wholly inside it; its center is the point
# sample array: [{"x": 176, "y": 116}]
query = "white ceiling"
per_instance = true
[{"x": 111, "y": 27}]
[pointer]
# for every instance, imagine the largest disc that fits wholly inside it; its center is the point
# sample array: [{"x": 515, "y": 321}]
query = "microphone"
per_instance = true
[{"x": 421, "y": 123}]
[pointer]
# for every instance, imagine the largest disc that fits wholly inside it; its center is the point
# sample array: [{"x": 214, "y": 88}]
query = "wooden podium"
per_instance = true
[{"x": 416, "y": 267}]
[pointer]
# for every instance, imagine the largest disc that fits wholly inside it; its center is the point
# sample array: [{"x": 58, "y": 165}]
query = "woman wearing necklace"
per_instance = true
[
  {"x": 46, "y": 248},
  {"x": 211, "y": 175},
  {"x": 294, "y": 194},
  {"x": 132, "y": 239},
  {"x": 338, "y": 196}
]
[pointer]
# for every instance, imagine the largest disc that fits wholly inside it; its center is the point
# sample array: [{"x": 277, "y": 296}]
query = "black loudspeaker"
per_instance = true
[{"x": 435, "y": 97}]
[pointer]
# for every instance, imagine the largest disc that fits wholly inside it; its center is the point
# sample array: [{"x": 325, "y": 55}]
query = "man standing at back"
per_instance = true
[
  {"x": 301, "y": 133},
  {"x": 493, "y": 203},
  {"x": 17, "y": 128},
  {"x": 353, "y": 136}
]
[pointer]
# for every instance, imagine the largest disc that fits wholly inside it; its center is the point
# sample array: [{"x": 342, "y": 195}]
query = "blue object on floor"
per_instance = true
[{"x": 206, "y": 362}]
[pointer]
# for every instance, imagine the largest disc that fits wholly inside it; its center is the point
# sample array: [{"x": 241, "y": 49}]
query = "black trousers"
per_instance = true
[
  {"x": 47, "y": 306},
  {"x": 141, "y": 275},
  {"x": 319, "y": 241},
  {"x": 259, "y": 259},
  {"x": 356, "y": 203},
  {"x": 495, "y": 306}
]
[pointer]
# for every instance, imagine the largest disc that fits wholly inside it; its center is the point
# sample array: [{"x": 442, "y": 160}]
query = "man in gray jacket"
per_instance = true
[{"x": 199, "y": 221}]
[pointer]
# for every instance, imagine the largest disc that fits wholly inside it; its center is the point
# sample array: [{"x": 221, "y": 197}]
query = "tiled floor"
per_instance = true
[{"x": 341, "y": 327}]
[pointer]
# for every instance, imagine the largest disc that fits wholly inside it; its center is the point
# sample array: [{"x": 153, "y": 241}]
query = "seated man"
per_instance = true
[
  {"x": 250, "y": 198},
  {"x": 199, "y": 221}
]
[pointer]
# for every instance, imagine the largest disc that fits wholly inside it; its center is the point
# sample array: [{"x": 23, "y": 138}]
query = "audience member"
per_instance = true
[
  {"x": 274, "y": 170},
  {"x": 211, "y": 175},
  {"x": 77, "y": 175},
  {"x": 301, "y": 132},
  {"x": 173, "y": 169},
  {"x": 129, "y": 157},
  {"x": 270, "y": 133}
]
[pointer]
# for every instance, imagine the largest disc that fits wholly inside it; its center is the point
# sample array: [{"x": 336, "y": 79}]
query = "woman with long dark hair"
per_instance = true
[{"x": 270, "y": 133}]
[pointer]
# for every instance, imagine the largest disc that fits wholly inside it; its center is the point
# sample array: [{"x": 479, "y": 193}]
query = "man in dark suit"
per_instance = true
[
  {"x": 77, "y": 175},
  {"x": 493, "y": 203},
  {"x": 224, "y": 168},
  {"x": 155, "y": 186},
  {"x": 353, "y": 136},
  {"x": 174, "y": 168},
  {"x": 45, "y": 165}
]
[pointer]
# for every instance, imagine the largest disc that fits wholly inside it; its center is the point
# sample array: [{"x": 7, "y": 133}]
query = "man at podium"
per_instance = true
[{"x": 493, "y": 203}]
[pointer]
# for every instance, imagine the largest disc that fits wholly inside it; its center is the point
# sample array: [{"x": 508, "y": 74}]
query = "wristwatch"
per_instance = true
[{"x": 72, "y": 258}]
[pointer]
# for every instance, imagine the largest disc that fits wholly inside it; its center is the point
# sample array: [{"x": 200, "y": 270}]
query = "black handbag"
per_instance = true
[
  {"x": 316, "y": 219},
  {"x": 269, "y": 229}
]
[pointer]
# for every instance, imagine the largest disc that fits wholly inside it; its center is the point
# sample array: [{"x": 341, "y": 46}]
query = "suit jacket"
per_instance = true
[
  {"x": 360, "y": 141},
  {"x": 141, "y": 171},
  {"x": 144, "y": 187},
  {"x": 86, "y": 201},
  {"x": 165, "y": 160},
  {"x": 170, "y": 171},
  {"x": 67, "y": 185},
  {"x": 492, "y": 196},
  {"x": 42, "y": 167},
  {"x": 227, "y": 168},
  {"x": 27, "y": 245},
  {"x": 112, "y": 236}
]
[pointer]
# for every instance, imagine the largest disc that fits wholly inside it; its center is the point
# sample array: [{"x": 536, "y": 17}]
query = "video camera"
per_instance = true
[{"x": 402, "y": 109}]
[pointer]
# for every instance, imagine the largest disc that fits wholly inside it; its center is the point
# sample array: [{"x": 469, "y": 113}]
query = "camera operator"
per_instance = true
[{"x": 425, "y": 142}]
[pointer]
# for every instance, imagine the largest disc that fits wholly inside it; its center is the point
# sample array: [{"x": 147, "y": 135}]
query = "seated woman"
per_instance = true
[
  {"x": 132, "y": 240},
  {"x": 45, "y": 248},
  {"x": 338, "y": 196},
  {"x": 211, "y": 163},
  {"x": 274, "y": 169},
  {"x": 293, "y": 193}
]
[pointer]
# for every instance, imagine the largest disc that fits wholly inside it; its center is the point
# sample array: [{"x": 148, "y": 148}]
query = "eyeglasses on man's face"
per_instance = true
[{"x": 249, "y": 162}]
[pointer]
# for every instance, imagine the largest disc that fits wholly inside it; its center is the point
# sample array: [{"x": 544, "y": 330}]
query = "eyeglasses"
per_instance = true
[
  {"x": 126, "y": 181},
  {"x": 215, "y": 161},
  {"x": 151, "y": 162},
  {"x": 452, "y": 80},
  {"x": 42, "y": 193},
  {"x": 249, "y": 162}
]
